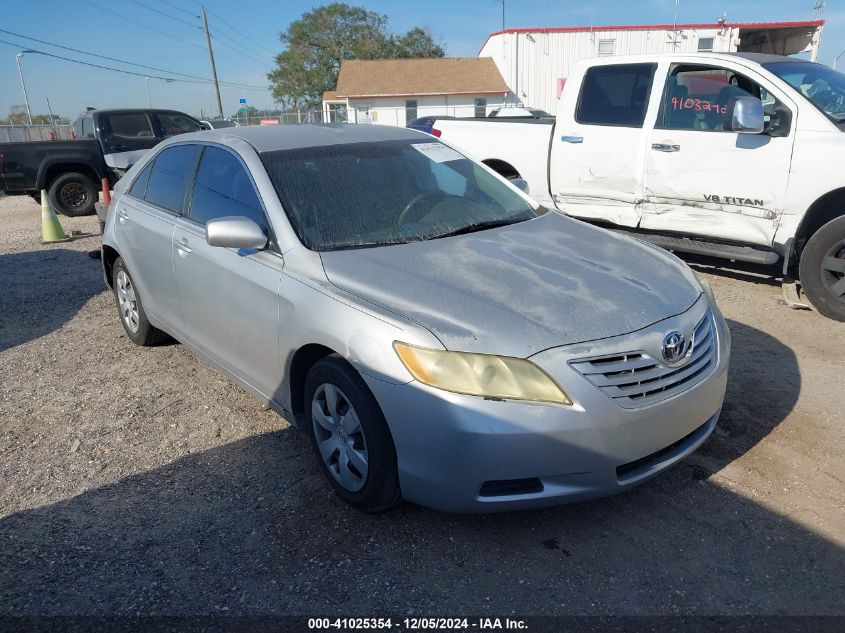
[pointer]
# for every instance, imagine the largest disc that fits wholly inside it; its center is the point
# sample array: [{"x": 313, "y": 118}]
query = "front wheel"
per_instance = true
[
  {"x": 822, "y": 269},
  {"x": 350, "y": 436}
]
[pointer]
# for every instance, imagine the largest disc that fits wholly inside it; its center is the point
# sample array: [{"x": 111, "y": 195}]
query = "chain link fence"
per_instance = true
[{"x": 23, "y": 133}]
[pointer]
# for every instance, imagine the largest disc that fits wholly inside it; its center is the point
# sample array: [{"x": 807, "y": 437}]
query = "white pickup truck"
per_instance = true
[{"x": 733, "y": 155}]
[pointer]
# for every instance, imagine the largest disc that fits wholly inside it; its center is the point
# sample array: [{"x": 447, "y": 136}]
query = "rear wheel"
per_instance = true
[
  {"x": 822, "y": 269},
  {"x": 73, "y": 194},
  {"x": 131, "y": 310},
  {"x": 350, "y": 436}
]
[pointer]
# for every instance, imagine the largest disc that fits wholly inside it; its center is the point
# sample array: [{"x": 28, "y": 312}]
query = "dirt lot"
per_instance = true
[{"x": 139, "y": 481}]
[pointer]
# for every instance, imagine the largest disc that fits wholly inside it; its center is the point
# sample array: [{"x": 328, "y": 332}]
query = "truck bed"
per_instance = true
[
  {"x": 527, "y": 142},
  {"x": 20, "y": 162}
]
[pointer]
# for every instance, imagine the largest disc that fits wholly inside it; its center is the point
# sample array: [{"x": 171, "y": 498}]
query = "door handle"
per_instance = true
[
  {"x": 182, "y": 246},
  {"x": 572, "y": 139},
  {"x": 665, "y": 147},
  {"x": 118, "y": 147}
]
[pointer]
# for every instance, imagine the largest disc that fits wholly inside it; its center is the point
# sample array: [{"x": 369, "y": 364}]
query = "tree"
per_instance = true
[{"x": 317, "y": 43}]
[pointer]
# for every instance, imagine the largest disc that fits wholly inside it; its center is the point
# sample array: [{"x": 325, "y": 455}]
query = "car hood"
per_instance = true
[{"x": 520, "y": 289}]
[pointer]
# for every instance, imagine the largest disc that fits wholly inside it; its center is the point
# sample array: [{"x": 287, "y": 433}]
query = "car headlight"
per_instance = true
[
  {"x": 705, "y": 286},
  {"x": 481, "y": 374}
]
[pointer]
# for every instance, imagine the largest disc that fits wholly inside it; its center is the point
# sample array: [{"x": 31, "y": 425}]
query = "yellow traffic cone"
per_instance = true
[{"x": 51, "y": 230}]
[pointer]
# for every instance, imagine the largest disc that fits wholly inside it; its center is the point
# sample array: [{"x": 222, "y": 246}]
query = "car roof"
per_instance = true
[
  {"x": 753, "y": 58},
  {"x": 269, "y": 138}
]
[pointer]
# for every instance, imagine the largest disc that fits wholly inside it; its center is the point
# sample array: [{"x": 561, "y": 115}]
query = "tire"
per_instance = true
[
  {"x": 372, "y": 491},
  {"x": 131, "y": 310},
  {"x": 73, "y": 194},
  {"x": 822, "y": 269}
]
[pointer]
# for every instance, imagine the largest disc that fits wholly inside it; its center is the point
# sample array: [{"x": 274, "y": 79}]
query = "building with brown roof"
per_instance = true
[{"x": 395, "y": 91}]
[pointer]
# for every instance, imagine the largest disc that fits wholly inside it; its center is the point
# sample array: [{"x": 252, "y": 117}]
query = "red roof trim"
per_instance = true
[
  {"x": 659, "y": 27},
  {"x": 425, "y": 94}
]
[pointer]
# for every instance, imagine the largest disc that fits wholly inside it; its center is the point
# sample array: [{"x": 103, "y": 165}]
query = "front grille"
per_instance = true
[{"x": 635, "y": 379}]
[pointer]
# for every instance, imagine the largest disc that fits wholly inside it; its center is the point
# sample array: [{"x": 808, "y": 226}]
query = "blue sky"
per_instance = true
[{"x": 128, "y": 30}]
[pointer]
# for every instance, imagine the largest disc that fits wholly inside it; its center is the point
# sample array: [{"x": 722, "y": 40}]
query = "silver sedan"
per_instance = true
[{"x": 438, "y": 335}]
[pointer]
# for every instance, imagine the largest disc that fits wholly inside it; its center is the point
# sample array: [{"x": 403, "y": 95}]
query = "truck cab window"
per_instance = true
[
  {"x": 615, "y": 95},
  {"x": 697, "y": 98},
  {"x": 130, "y": 125},
  {"x": 173, "y": 124}
]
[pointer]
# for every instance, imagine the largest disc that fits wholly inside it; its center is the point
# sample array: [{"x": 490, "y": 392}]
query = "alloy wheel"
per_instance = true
[
  {"x": 128, "y": 302},
  {"x": 73, "y": 195}
]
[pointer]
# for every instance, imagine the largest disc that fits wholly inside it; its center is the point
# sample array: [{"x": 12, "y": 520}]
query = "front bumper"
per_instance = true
[{"x": 450, "y": 445}]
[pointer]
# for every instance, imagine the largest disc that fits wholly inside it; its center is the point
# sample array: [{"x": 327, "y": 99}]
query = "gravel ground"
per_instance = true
[{"x": 140, "y": 481}]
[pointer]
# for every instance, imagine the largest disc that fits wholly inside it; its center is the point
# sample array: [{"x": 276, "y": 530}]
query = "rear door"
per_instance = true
[
  {"x": 125, "y": 137},
  {"x": 229, "y": 297},
  {"x": 597, "y": 154},
  {"x": 146, "y": 218},
  {"x": 702, "y": 178}
]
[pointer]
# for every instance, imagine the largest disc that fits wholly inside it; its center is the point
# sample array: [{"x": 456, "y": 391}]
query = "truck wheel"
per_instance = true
[
  {"x": 822, "y": 269},
  {"x": 73, "y": 194}
]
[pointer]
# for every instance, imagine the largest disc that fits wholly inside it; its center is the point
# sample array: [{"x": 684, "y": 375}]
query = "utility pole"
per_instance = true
[
  {"x": 23, "y": 85},
  {"x": 503, "y": 13},
  {"x": 147, "y": 86},
  {"x": 213, "y": 67}
]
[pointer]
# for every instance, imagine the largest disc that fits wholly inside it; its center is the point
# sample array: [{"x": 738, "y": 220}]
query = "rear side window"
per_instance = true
[
  {"x": 615, "y": 95},
  {"x": 132, "y": 125},
  {"x": 139, "y": 187},
  {"x": 169, "y": 177},
  {"x": 222, "y": 188},
  {"x": 173, "y": 124}
]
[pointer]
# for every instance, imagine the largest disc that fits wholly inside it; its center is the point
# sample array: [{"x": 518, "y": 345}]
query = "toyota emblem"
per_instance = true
[{"x": 674, "y": 347}]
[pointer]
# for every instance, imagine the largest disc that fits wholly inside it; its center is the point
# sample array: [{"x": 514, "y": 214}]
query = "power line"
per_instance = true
[
  {"x": 176, "y": 6},
  {"x": 225, "y": 23},
  {"x": 113, "y": 59},
  {"x": 231, "y": 45},
  {"x": 149, "y": 28},
  {"x": 165, "y": 14},
  {"x": 246, "y": 37},
  {"x": 129, "y": 72}
]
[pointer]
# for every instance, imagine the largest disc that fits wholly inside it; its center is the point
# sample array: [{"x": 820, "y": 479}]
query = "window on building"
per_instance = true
[
  {"x": 410, "y": 110},
  {"x": 607, "y": 48},
  {"x": 698, "y": 98},
  {"x": 615, "y": 95},
  {"x": 480, "y": 107},
  {"x": 705, "y": 44},
  {"x": 169, "y": 177},
  {"x": 224, "y": 188}
]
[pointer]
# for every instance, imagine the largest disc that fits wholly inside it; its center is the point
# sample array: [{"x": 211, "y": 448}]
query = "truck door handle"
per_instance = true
[
  {"x": 665, "y": 147},
  {"x": 572, "y": 139},
  {"x": 118, "y": 147},
  {"x": 182, "y": 246}
]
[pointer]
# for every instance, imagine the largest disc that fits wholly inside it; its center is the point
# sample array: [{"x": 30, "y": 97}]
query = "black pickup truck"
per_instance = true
[{"x": 107, "y": 144}]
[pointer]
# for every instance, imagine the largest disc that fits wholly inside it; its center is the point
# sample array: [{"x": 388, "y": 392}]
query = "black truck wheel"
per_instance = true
[
  {"x": 822, "y": 269},
  {"x": 73, "y": 194}
]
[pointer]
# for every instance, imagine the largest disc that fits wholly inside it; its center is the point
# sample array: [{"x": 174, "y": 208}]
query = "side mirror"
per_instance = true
[
  {"x": 520, "y": 184},
  {"x": 745, "y": 115},
  {"x": 234, "y": 232}
]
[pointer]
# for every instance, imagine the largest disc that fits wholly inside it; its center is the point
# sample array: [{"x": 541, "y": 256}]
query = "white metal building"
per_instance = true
[
  {"x": 536, "y": 62},
  {"x": 394, "y": 91}
]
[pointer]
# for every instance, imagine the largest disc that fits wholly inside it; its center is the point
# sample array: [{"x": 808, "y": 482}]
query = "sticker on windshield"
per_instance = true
[{"x": 437, "y": 152}]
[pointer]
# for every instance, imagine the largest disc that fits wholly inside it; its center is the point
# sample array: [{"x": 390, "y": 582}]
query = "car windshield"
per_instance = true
[
  {"x": 388, "y": 192},
  {"x": 823, "y": 86}
]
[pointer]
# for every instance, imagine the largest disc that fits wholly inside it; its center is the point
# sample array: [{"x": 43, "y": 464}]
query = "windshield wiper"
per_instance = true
[{"x": 478, "y": 226}]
